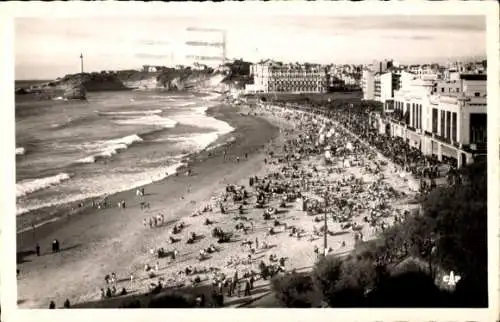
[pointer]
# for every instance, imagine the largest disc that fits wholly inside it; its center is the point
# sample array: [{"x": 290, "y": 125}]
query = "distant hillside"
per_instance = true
[
  {"x": 92, "y": 82},
  {"x": 230, "y": 75}
]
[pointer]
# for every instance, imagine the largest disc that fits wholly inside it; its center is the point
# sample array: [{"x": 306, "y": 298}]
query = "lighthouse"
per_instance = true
[{"x": 81, "y": 63}]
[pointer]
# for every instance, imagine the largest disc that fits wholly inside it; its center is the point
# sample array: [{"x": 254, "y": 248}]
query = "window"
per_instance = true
[
  {"x": 448, "y": 124},
  {"x": 454, "y": 127},
  {"x": 413, "y": 115},
  {"x": 441, "y": 132},
  {"x": 442, "y": 89},
  {"x": 477, "y": 94},
  {"x": 434, "y": 120}
]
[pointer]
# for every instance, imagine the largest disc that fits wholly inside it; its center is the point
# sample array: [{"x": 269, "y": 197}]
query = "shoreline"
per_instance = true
[
  {"x": 25, "y": 221},
  {"x": 116, "y": 240},
  {"x": 85, "y": 235}
]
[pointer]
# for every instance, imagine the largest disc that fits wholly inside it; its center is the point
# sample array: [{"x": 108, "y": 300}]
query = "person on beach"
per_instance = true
[
  {"x": 247, "y": 287},
  {"x": 67, "y": 305},
  {"x": 52, "y": 305},
  {"x": 37, "y": 247}
]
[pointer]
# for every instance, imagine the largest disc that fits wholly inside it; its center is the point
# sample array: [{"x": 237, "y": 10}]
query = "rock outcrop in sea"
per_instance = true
[{"x": 76, "y": 92}]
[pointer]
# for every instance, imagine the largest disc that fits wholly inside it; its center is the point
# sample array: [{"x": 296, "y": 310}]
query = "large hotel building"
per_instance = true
[
  {"x": 272, "y": 77},
  {"x": 445, "y": 118}
]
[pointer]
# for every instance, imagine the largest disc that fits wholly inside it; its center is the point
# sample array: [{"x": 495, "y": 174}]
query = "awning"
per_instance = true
[{"x": 449, "y": 152}]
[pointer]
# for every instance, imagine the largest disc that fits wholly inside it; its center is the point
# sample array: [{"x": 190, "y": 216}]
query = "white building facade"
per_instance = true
[
  {"x": 271, "y": 77},
  {"x": 445, "y": 123},
  {"x": 368, "y": 84}
]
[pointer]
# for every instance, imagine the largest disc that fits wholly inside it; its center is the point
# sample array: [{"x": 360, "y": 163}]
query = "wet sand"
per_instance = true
[
  {"x": 114, "y": 240},
  {"x": 97, "y": 242}
]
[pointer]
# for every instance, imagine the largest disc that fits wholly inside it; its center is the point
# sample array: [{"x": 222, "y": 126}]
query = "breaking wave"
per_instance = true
[
  {"x": 29, "y": 186},
  {"x": 108, "y": 148},
  {"x": 118, "y": 113},
  {"x": 103, "y": 187},
  {"x": 149, "y": 120}
]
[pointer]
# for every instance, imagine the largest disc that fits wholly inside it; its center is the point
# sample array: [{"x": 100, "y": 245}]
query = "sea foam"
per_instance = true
[
  {"x": 149, "y": 120},
  {"x": 109, "y": 148},
  {"x": 29, "y": 186},
  {"x": 103, "y": 186},
  {"x": 20, "y": 151},
  {"x": 118, "y": 113},
  {"x": 200, "y": 118}
]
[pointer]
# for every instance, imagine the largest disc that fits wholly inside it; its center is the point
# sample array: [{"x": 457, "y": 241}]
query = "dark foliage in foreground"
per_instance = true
[
  {"x": 400, "y": 269},
  {"x": 173, "y": 300},
  {"x": 293, "y": 290}
]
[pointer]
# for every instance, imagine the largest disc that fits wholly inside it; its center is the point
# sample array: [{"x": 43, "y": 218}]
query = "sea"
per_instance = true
[{"x": 68, "y": 151}]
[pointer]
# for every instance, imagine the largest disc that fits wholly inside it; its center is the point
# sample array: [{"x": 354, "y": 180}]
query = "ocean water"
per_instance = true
[{"x": 69, "y": 151}]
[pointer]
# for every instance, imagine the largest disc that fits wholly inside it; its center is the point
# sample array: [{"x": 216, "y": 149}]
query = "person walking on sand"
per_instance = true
[
  {"x": 247, "y": 287},
  {"x": 237, "y": 159},
  {"x": 240, "y": 288}
]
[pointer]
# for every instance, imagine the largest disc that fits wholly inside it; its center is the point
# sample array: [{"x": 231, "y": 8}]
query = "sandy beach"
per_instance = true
[{"x": 95, "y": 242}]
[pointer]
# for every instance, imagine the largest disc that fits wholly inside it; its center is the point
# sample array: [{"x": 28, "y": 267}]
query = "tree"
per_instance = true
[
  {"x": 294, "y": 290},
  {"x": 357, "y": 277},
  {"x": 325, "y": 276},
  {"x": 408, "y": 289},
  {"x": 172, "y": 300},
  {"x": 460, "y": 215}
]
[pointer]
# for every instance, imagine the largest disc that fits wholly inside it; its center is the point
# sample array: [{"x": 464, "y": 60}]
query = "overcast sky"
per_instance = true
[{"x": 48, "y": 48}]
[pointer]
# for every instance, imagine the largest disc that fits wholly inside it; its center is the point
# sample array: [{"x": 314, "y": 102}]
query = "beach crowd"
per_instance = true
[{"x": 329, "y": 174}]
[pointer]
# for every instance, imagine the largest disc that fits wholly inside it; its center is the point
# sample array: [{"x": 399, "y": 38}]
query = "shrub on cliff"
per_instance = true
[
  {"x": 325, "y": 276},
  {"x": 408, "y": 289},
  {"x": 344, "y": 283},
  {"x": 294, "y": 290},
  {"x": 130, "y": 304}
]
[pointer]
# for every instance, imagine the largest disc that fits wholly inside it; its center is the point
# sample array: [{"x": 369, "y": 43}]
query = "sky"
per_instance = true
[{"x": 49, "y": 48}]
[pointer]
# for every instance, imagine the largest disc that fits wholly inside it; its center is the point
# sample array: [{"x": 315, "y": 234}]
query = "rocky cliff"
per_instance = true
[
  {"x": 170, "y": 79},
  {"x": 165, "y": 79}
]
